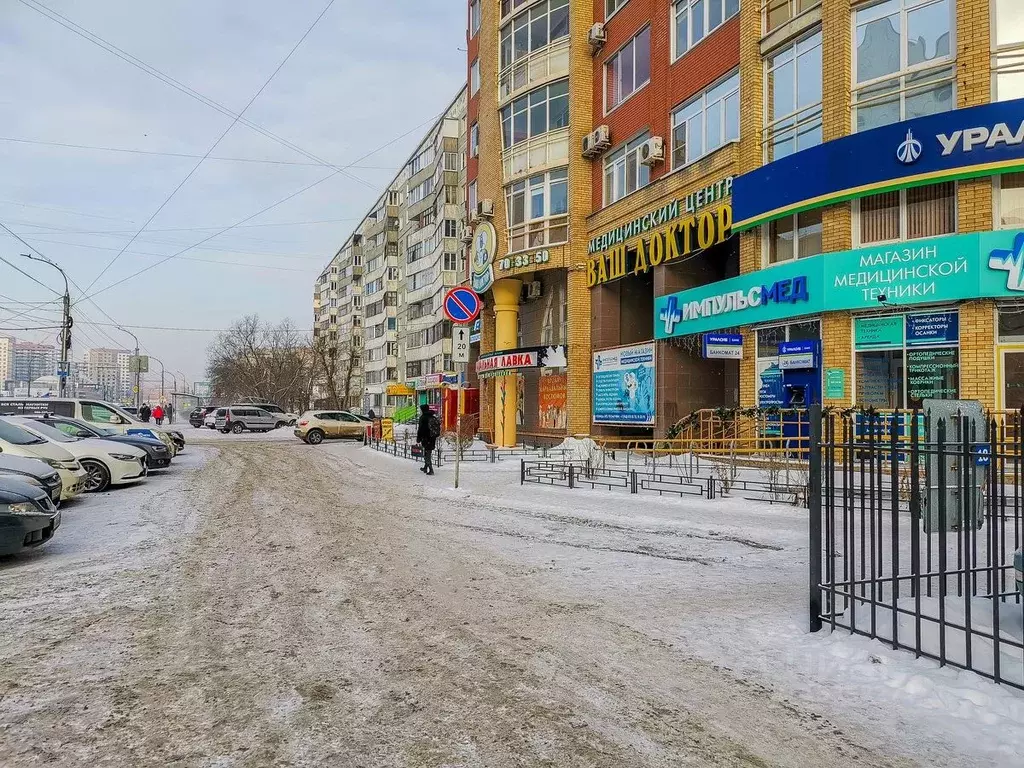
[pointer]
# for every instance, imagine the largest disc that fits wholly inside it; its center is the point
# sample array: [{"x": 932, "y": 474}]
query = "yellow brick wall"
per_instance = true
[
  {"x": 837, "y": 352},
  {"x": 977, "y": 356}
]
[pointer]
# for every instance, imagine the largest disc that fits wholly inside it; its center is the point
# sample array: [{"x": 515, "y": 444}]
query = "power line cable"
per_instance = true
[
  {"x": 16, "y": 268},
  {"x": 209, "y": 152},
  {"x": 180, "y": 229}
]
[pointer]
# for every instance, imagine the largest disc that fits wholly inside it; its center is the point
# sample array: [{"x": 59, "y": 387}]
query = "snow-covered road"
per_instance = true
[{"x": 268, "y": 603}]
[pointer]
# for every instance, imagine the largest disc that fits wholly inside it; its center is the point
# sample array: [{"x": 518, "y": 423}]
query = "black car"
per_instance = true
[
  {"x": 157, "y": 453},
  {"x": 27, "y": 516},
  {"x": 198, "y": 415},
  {"x": 33, "y": 472}
]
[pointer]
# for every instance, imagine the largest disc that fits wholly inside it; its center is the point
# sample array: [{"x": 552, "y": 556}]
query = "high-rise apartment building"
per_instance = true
[
  {"x": 30, "y": 361},
  {"x": 107, "y": 371},
  {"x": 6, "y": 361},
  {"x": 377, "y": 304}
]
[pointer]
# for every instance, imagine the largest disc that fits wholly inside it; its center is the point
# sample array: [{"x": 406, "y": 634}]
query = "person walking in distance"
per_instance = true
[
  {"x": 144, "y": 412},
  {"x": 427, "y": 432},
  {"x": 158, "y": 414},
  {"x": 169, "y": 413}
]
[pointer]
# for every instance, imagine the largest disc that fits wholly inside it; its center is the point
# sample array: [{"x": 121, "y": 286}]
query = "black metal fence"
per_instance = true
[{"x": 914, "y": 524}]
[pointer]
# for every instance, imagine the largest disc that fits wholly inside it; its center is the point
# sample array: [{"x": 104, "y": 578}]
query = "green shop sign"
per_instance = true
[{"x": 942, "y": 269}]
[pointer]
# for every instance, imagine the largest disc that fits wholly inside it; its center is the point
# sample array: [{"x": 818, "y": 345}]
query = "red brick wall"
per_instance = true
[{"x": 671, "y": 83}]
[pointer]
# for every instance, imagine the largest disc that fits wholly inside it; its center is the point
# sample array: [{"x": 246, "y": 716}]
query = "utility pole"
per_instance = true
[
  {"x": 64, "y": 365},
  {"x": 137, "y": 366}
]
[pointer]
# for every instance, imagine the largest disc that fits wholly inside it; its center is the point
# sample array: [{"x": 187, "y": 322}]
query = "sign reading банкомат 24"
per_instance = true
[
  {"x": 976, "y": 141},
  {"x": 929, "y": 271}
]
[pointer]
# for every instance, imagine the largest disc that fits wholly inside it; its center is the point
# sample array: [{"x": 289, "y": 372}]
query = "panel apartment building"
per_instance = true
[
  {"x": 848, "y": 236},
  {"x": 378, "y": 303}
]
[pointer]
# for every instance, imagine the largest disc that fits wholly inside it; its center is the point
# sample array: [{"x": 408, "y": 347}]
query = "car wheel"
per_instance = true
[
  {"x": 315, "y": 437},
  {"x": 97, "y": 476},
  {"x": 238, "y": 427},
  {"x": 280, "y": 424}
]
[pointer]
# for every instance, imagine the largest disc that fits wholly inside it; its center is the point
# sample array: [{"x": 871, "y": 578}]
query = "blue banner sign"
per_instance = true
[
  {"x": 799, "y": 355},
  {"x": 935, "y": 328},
  {"x": 962, "y": 143},
  {"x": 623, "y": 385},
  {"x": 927, "y": 271},
  {"x": 723, "y": 346}
]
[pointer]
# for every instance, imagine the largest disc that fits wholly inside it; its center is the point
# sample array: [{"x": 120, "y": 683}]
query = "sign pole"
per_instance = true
[
  {"x": 458, "y": 422},
  {"x": 461, "y": 306}
]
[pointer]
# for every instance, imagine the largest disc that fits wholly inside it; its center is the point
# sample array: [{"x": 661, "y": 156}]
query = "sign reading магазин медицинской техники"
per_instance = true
[{"x": 941, "y": 269}]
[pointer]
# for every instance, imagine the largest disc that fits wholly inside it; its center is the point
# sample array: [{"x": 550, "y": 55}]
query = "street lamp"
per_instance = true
[
  {"x": 65, "y": 333},
  {"x": 138, "y": 368}
]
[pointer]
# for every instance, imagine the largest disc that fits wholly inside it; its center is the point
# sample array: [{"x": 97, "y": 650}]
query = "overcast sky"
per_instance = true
[{"x": 368, "y": 73}]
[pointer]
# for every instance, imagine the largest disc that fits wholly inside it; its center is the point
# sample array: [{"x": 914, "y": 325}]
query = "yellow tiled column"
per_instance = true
[{"x": 506, "y": 294}]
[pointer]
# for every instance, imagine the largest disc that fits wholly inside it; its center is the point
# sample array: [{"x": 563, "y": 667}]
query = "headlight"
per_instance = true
[
  {"x": 54, "y": 463},
  {"x": 124, "y": 457},
  {"x": 73, "y": 465},
  {"x": 23, "y": 509}
]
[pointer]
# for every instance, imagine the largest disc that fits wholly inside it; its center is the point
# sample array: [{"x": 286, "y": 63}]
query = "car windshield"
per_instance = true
[
  {"x": 15, "y": 435},
  {"x": 52, "y": 433}
]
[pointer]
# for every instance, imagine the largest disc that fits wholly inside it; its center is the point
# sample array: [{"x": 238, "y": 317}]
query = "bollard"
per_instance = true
[
  {"x": 572, "y": 479},
  {"x": 522, "y": 471}
]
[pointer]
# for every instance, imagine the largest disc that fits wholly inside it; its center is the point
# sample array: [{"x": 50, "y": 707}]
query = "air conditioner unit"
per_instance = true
[
  {"x": 533, "y": 290},
  {"x": 485, "y": 208},
  {"x": 597, "y": 142},
  {"x": 597, "y": 38},
  {"x": 652, "y": 151}
]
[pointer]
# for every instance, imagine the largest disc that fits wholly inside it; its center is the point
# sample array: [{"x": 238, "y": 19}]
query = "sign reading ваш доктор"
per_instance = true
[
  {"x": 952, "y": 268},
  {"x": 669, "y": 232}
]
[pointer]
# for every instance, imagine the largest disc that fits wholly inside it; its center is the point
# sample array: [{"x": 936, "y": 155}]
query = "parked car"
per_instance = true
[
  {"x": 210, "y": 419},
  {"x": 158, "y": 455},
  {"x": 238, "y": 419},
  {"x": 33, "y": 472},
  {"x": 28, "y": 517},
  {"x": 105, "y": 463},
  {"x": 15, "y": 441},
  {"x": 198, "y": 415},
  {"x": 285, "y": 417},
  {"x": 316, "y": 426}
]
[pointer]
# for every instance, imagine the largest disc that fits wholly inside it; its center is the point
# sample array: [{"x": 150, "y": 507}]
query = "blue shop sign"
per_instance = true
[
  {"x": 935, "y": 328},
  {"x": 723, "y": 346},
  {"x": 799, "y": 355},
  {"x": 962, "y": 143}
]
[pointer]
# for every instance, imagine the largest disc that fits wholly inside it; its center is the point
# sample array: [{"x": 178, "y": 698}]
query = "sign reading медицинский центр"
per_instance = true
[{"x": 618, "y": 256}]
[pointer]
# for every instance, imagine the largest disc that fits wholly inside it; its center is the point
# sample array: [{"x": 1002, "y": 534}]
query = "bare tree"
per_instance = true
[
  {"x": 335, "y": 369},
  {"x": 254, "y": 359}
]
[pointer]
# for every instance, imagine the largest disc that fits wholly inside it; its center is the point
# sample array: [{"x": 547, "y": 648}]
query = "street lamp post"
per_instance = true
[
  {"x": 138, "y": 368},
  {"x": 65, "y": 329}
]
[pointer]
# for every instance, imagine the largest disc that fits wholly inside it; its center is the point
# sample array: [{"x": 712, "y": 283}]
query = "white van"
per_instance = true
[
  {"x": 93, "y": 411},
  {"x": 15, "y": 441}
]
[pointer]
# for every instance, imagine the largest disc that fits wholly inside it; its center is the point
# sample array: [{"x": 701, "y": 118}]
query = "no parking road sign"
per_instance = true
[{"x": 461, "y": 305}]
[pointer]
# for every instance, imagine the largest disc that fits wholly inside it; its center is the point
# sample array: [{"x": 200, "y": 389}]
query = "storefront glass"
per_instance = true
[
  {"x": 769, "y": 375},
  {"x": 905, "y": 359},
  {"x": 1011, "y": 356}
]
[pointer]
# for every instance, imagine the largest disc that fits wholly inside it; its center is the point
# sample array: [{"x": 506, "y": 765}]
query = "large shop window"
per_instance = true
[
  {"x": 623, "y": 171},
  {"x": 696, "y": 19},
  {"x": 907, "y": 214},
  {"x": 903, "y": 60},
  {"x": 1011, "y": 356},
  {"x": 769, "y": 375},
  {"x": 904, "y": 359},
  {"x": 1008, "y": 55},
  {"x": 1009, "y": 191},
  {"x": 538, "y": 210},
  {"x": 794, "y": 237},
  {"x": 534, "y": 29},
  {"x": 706, "y": 122},
  {"x": 778, "y": 12},
  {"x": 793, "y": 108},
  {"x": 627, "y": 70},
  {"x": 536, "y": 113}
]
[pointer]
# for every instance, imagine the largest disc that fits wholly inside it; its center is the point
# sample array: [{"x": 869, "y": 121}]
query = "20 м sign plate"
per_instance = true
[{"x": 461, "y": 305}]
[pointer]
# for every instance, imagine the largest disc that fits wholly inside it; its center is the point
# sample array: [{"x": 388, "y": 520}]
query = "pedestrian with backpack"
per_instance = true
[{"x": 427, "y": 432}]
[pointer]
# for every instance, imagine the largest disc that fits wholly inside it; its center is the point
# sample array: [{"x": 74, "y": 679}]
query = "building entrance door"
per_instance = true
[{"x": 1012, "y": 378}]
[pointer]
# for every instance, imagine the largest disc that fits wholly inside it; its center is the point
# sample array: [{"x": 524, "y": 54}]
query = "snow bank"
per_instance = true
[{"x": 580, "y": 449}]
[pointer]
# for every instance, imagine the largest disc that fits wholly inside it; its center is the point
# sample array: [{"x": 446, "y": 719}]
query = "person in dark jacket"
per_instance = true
[
  {"x": 426, "y": 437},
  {"x": 144, "y": 412}
]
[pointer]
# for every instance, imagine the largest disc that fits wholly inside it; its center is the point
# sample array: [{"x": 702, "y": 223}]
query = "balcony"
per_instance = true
[
  {"x": 540, "y": 66},
  {"x": 548, "y": 150}
]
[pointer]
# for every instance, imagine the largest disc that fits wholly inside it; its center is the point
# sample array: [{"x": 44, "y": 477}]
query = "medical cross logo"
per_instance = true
[
  {"x": 910, "y": 150},
  {"x": 1012, "y": 262},
  {"x": 671, "y": 315}
]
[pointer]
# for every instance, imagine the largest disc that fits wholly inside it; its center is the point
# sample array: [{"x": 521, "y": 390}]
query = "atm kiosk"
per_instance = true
[{"x": 800, "y": 364}]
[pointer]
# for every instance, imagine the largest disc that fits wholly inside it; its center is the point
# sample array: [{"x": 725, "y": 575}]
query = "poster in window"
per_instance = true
[
  {"x": 769, "y": 382},
  {"x": 551, "y": 401},
  {"x": 932, "y": 373},
  {"x": 623, "y": 385}
]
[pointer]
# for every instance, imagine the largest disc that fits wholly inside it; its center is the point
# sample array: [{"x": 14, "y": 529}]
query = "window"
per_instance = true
[
  {"x": 537, "y": 210},
  {"x": 696, "y": 19},
  {"x": 507, "y": 6},
  {"x": 421, "y": 279},
  {"x": 793, "y": 108},
  {"x": 611, "y": 6},
  {"x": 421, "y": 191},
  {"x": 471, "y": 198},
  {"x": 474, "y": 77},
  {"x": 421, "y": 161},
  {"x": 1008, "y": 59},
  {"x": 1010, "y": 200},
  {"x": 778, "y": 12},
  {"x": 474, "y": 17},
  {"x": 906, "y": 214},
  {"x": 706, "y": 122},
  {"x": 376, "y": 285},
  {"x": 451, "y": 228},
  {"x": 623, "y": 171},
  {"x": 393, "y": 273},
  {"x": 536, "y": 113},
  {"x": 770, "y": 391},
  {"x": 532, "y": 30},
  {"x": 414, "y": 369},
  {"x": 902, "y": 61},
  {"x": 414, "y": 253},
  {"x": 452, "y": 262},
  {"x": 374, "y": 264},
  {"x": 452, "y": 161},
  {"x": 794, "y": 237},
  {"x": 627, "y": 70},
  {"x": 474, "y": 140}
]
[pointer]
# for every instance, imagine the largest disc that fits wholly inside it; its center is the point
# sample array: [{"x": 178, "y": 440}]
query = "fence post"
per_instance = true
[
  {"x": 522, "y": 471},
  {"x": 572, "y": 479},
  {"x": 493, "y": 455},
  {"x": 632, "y": 481},
  {"x": 814, "y": 544}
]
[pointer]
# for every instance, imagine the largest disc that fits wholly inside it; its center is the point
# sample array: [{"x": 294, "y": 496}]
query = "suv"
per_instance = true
[
  {"x": 238, "y": 419},
  {"x": 283, "y": 417},
  {"x": 316, "y": 426},
  {"x": 198, "y": 415}
]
